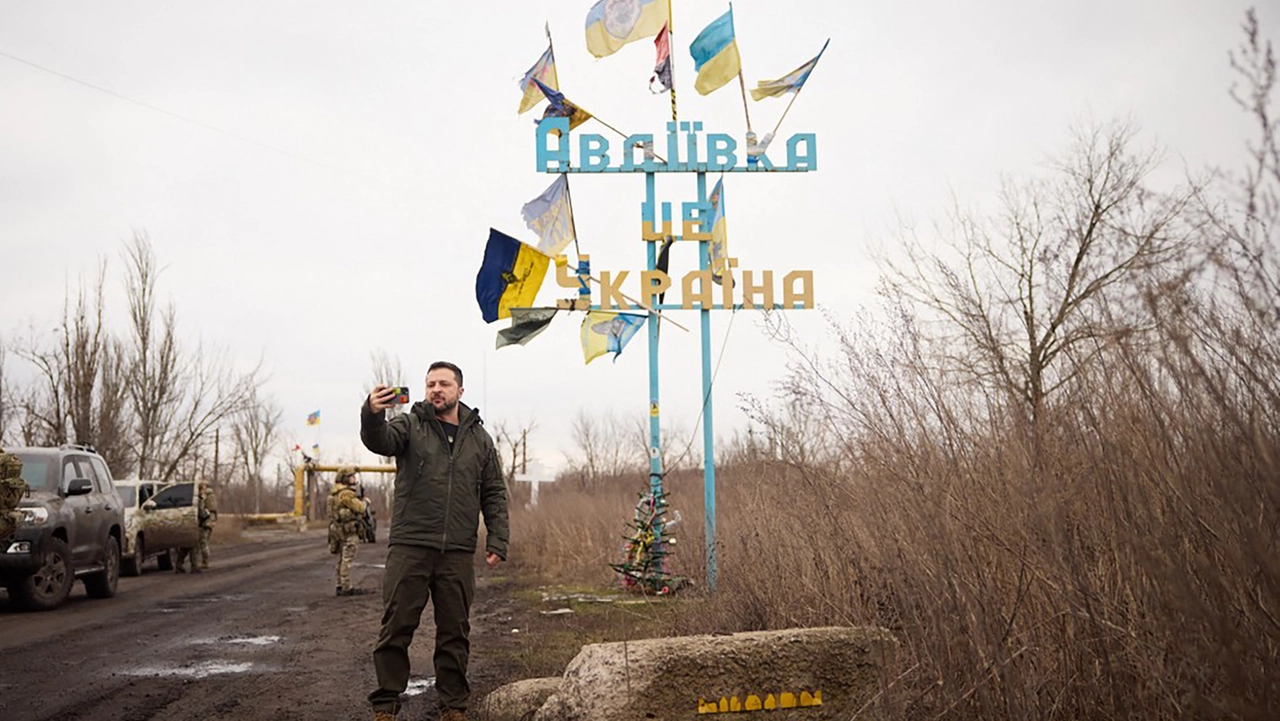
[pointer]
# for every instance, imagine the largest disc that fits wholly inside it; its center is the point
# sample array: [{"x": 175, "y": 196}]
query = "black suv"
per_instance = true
[{"x": 70, "y": 527}]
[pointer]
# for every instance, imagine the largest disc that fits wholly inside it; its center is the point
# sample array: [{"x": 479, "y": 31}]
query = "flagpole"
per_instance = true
[
  {"x": 619, "y": 132},
  {"x": 552, "y": 46},
  {"x": 573, "y": 226},
  {"x": 742, "y": 85},
  {"x": 671, "y": 61},
  {"x": 784, "y": 112},
  {"x": 629, "y": 299},
  {"x": 802, "y": 84}
]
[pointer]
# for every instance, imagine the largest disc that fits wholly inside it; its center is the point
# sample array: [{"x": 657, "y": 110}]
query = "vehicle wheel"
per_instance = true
[
  {"x": 165, "y": 560},
  {"x": 50, "y": 585},
  {"x": 132, "y": 566},
  {"x": 102, "y": 584}
]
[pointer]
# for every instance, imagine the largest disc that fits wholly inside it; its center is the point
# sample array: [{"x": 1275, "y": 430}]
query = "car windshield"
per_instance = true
[
  {"x": 40, "y": 471},
  {"x": 128, "y": 495}
]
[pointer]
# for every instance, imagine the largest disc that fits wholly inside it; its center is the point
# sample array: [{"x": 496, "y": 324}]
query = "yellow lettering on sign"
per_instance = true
[
  {"x": 703, "y": 296},
  {"x": 734, "y": 704},
  {"x": 803, "y": 296},
  {"x": 770, "y": 703},
  {"x": 611, "y": 291},
  {"x": 750, "y": 289},
  {"x": 654, "y": 283},
  {"x": 724, "y": 705},
  {"x": 753, "y": 703},
  {"x": 707, "y": 706},
  {"x": 786, "y": 700}
]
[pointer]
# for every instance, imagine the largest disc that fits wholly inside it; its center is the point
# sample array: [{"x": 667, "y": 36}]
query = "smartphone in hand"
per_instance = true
[{"x": 401, "y": 396}]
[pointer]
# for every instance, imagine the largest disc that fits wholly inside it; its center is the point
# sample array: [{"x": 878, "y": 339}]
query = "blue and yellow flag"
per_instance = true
[
  {"x": 614, "y": 23},
  {"x": 608, "y": 332},
  {"x": 509, "y": 276},
  {"x": 561, "y": 107},
  {"x": 548, "y": 215},
  {"x": 544, "y": 72},
  {"x": 789, "y": 83},
  {"x": 715, "y": 54},
  {"x": 719, "y": 232},
  {"x": 313, "y": 419}
]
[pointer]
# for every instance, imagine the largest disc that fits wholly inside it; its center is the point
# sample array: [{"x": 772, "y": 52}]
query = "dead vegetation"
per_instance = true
[{"x": 1052, "y": 468}]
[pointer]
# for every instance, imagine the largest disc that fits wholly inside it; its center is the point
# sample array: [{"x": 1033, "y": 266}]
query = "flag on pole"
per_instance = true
[
  {"x": 715, "y": 54},
  {"x": 509, "y": 276},
  {"x": 544, "y": 72},
  {"x": 561, "y": 107},
  {"x": 614, "y": 23},
  {"x": 313, "y": 419},
  {"x": 526, "y": 323},
  {"x": 548, "y": 215},
  {"x": 607, "y": 332},
  {"x": 789, "y": 83},
  {"x": 315, "y": 450},
  {"x": 662, "y": 66},
  {"x": 719, "y": 233}
]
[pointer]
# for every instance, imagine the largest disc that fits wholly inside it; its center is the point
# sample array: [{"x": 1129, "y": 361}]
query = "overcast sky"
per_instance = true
[{"x": 330, "y": 184}]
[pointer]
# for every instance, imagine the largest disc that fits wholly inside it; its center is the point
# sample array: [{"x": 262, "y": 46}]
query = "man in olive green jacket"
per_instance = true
[{"x": 447, "y": 475}]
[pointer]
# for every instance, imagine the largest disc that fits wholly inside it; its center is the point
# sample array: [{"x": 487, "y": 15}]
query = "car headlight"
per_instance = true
[{"x": 34, "y": 516}]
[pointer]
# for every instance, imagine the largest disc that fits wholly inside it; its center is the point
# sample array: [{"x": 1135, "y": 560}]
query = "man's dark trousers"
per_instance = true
[{"x": 415, "y": 574}]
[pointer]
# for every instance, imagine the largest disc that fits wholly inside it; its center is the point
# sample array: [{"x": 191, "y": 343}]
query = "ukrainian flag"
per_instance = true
[
  {"x": 715, "y": 54},
  {"x": 719, "y": 232},
  {"x": 544, "y": 72},
  {"x": 614, "y": 23},
  {"x": 509, "y": 276},
  {"x": 607, "y": 332}
]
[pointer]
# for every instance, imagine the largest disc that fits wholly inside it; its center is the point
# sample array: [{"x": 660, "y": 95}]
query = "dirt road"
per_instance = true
[{"x": 258, "y": 636}]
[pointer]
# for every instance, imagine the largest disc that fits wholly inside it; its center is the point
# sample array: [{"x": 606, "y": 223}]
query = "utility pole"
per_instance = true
[{"x": 216, "y": 438}]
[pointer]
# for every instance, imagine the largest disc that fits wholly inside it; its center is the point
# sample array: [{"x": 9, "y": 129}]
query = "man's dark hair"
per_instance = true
[{"x": 457, "y": 372}]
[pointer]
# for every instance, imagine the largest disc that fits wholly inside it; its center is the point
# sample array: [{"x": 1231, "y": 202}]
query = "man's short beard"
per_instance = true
[{"x": 445, "y": 409}]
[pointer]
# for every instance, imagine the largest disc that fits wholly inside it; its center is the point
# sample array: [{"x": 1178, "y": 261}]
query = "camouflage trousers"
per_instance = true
[
  {"x": 8, "y": 525},
  {"x": 180, "y": 563},
  {"x": 346, "y": 558},
  {"x": 201, "y": 553}
]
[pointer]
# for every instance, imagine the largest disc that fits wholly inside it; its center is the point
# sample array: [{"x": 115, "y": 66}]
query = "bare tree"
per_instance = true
[
  {"x": 6, "y": 397},
  {"x": 1034, "y": 284},
  {"x": 67, "y": 402},
  {"x": 254, "y": 428},
  {"x": 386, "y": 370},
  {"x": 515, "y": 445},
  {"x": 177, "y": 398},
  {"x": 607, "y": 447},
  {"x": 153, "y": 360},
  {"x": 1250, "y": 254}
]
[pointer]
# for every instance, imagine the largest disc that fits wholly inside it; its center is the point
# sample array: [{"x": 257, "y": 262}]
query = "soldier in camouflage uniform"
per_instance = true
[
  {"x": 12, "y": 489},
  {"x": 205, "y": 518},
  {"x": 346, "y": 519},
  {"x": 208, "y": 515}
]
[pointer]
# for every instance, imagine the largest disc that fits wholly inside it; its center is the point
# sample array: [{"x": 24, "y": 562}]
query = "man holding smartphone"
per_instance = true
[{"x": 447, "y": 475}]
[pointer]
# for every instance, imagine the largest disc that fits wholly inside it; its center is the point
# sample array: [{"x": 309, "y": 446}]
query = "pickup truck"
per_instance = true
[{"x": 158, "y": 518}]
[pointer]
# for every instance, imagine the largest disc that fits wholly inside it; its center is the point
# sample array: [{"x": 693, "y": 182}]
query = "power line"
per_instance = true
[{"x": 206, "y": 126}]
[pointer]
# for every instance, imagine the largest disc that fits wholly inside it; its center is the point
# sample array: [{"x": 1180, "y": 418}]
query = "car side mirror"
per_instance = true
[
  {"x": 79, "y": 487},
  {"x": 149, "y": 506}
]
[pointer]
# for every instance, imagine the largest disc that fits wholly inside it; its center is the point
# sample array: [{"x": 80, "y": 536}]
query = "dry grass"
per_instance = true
[
  {"x": 1128, "y": 570},
  {"x": 1090, "y": 530}
]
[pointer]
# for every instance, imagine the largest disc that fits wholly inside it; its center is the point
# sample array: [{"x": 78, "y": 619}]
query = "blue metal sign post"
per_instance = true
[{"x": 687, "y": 151}]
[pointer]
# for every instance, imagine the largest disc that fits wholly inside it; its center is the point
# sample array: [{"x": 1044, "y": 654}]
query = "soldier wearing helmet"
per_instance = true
[
  {"x": 346, "y": 516},
  {"x": 12, "y": 489},
  {"x": 208, "y": 513}
]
